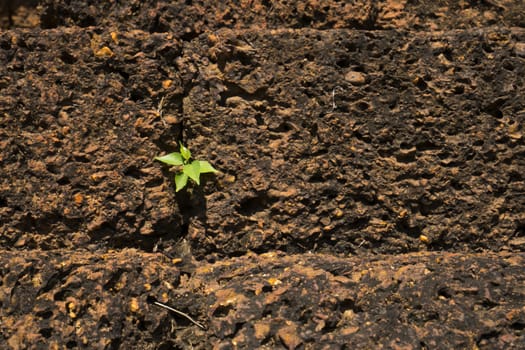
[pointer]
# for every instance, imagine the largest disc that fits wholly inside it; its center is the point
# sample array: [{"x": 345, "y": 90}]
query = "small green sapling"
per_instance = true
[{"x": 187, "y": 168}]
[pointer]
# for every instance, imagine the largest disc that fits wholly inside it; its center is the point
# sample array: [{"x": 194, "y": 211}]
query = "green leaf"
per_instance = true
[
  {"x": 180, "y": 181},
  {"x": 205, "y": 167},
  {"x": 185, "y": 152},
  {"x": 174, "y": 158},
  {"x": 193, "y": 171}
]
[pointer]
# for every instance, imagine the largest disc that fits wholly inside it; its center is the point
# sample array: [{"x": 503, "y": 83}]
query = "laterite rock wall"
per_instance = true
[{"x": 370, "y": 192}]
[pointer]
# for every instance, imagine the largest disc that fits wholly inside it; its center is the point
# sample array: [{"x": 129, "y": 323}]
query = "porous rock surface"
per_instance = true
[{"x": 370, "y": 193}]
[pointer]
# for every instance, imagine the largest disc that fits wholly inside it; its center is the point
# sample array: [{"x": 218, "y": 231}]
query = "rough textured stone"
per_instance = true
[
  {"x": 425, "y": 141},
  {"x": 370, "y": 192},
  {"x": 420, "y": 300}
]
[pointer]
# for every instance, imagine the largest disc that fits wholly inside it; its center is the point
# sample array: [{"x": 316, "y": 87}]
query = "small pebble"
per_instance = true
[
  {"x": 355, "y": 78},
  {"x": 519, "y": 49}
]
